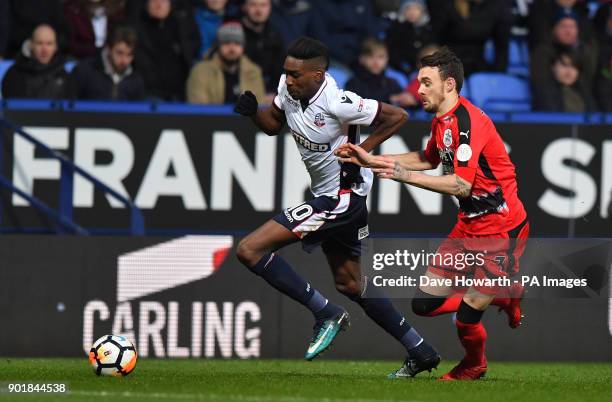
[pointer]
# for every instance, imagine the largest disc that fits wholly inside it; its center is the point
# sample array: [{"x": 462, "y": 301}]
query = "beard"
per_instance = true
[
  {"x": 230, "y": 63},
  {"x": 430, "y": 108}
]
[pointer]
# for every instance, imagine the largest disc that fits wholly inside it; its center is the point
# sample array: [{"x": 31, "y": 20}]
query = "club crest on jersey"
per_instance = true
[
  {"x": 319, "y": 120},
  {"x": 448, "y": 137}
]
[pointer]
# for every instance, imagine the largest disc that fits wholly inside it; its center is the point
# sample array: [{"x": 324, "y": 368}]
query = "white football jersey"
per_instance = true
[{"x": 318, "y": 131}]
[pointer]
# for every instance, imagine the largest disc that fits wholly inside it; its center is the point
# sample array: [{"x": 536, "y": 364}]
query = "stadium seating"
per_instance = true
[
  {"x": 4, "y": 66},
  {"x": 400, "y": 77},
  {"x": 497, "y": 92},
  {"x": 518, "y": 58},
  {"x": 340, "y": 74},
  {"x": 465, "y": 90}
]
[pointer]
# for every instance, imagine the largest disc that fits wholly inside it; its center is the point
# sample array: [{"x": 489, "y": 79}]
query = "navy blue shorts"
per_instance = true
[{"x": 335, "y": 223}]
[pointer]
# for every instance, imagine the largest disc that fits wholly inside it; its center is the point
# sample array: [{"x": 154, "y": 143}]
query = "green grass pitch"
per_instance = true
[{"x": 300, "y": 381}]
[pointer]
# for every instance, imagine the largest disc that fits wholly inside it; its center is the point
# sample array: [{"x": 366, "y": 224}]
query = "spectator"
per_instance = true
[
  {"x": 520, "y": 18},
  {"x": 466, "y": 25},
  {"x": 22, "y": 17},
  {"x": 89, "y": 21},
  {"x": 370, "y": 80},
  {"x": 565, "y": 38},
  {"x": 346, "y": 24},
  {"x": 167, "y": 46},
  {"x": 263, "y": 44},
  {"x": 386, "y": 9},
  {"x": 543, "y": 13},
  {"x": 295, "y": 18},
  {"x": 603, "y": 85},
  {"x": 4, "y": 27},
  {"x": 110, "y": 76},
  {"x": 408, "y": 35},
  {"x": 565, "y": 90},
  {"x": 227, "y": 74},
  {"x": 602, "y": 23},
  {"x": 209, "y": 15},
  {"x": 412, "y": 89},
  {"x": 39, "y": 71},
  {"x": 133, "y": 8}
]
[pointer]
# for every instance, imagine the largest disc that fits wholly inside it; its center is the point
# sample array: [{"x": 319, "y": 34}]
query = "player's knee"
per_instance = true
[
  {"x": 477, "y": 302},
  {"x": 349, "y": 288},
  {"x": 247, "y": 254},
  {"x": 425, "y": 306}
]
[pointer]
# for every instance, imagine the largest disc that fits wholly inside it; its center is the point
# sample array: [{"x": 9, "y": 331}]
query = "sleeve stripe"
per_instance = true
[
  {"x": 377, "y": 113},
  {"x": 484, "y": 166},
  {"x": 275, "y": 106},
  {"x": 464, "y": 124}
]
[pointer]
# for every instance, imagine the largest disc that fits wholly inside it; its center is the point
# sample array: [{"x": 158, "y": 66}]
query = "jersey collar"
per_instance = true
[
  {"x": 319, "y": 92},
  {"x": 450, "y": 112}
]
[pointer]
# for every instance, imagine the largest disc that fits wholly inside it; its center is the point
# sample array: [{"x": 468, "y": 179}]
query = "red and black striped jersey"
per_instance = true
[{"x": 467, "y": 143}]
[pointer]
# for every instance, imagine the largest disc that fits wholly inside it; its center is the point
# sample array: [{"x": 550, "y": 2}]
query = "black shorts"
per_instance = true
[{"x": 335, "y": 223}]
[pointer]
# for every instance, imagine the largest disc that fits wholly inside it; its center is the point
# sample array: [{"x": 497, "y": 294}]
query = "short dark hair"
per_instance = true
[
  {"x": 123, "y": 34},
  {"x": 370, "y": 45},
  {"x": 448, "y": 65},
  {"x": 565, "y": 55},
  {"x": 305, "y": 48}
]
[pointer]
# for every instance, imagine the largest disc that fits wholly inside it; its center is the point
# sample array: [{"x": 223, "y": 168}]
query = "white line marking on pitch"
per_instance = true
[{"x": 246, "y": 398}]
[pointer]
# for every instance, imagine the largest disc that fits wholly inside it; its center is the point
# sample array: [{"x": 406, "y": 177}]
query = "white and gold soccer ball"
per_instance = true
[{"x": 113, "y": 355}]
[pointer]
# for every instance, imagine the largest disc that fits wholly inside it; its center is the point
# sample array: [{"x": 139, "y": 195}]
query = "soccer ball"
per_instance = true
[{"x": 113, "y": 355}]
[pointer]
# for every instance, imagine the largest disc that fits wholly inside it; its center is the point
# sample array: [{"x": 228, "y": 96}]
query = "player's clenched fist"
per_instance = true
[{"x": 247, "y": 104}]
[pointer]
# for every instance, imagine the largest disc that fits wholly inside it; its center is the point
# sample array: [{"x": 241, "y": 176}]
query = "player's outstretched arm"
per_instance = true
[
  {"x": 355, "y": 154},
  {"x": 414, "y": 160},
  {"x": 389, "y": 120},
  {"x": 451, "y": 184},
  {"x": 271, "y": 120}
]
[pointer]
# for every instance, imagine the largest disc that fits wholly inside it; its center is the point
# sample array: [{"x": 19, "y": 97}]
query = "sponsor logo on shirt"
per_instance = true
[
  {"x": 291, "y": 101},
  {"x": 310, "y": 145},
  {"x": 288, "y": 215}
]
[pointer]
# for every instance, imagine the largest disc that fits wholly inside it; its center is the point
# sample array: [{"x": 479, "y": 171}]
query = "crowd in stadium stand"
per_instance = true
[{"x": 209, "y": 51}]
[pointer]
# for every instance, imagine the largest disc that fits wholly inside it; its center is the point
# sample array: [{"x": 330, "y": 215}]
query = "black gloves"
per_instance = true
[{"x": 246, "y": 104}]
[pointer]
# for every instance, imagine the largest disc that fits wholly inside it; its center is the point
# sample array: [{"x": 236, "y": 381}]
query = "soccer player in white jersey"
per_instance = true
[{"x": 315, "y": 110}]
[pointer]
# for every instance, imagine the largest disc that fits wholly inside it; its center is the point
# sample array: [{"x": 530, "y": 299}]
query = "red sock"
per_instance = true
[{"x": 473, "y": 338}]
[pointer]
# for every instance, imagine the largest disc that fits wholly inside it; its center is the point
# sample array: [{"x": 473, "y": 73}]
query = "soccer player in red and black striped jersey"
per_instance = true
[{"x": 492, "y": 219}]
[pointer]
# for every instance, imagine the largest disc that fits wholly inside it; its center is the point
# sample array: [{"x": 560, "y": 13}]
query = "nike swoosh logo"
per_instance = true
[{"x": 314, "y": 346}]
